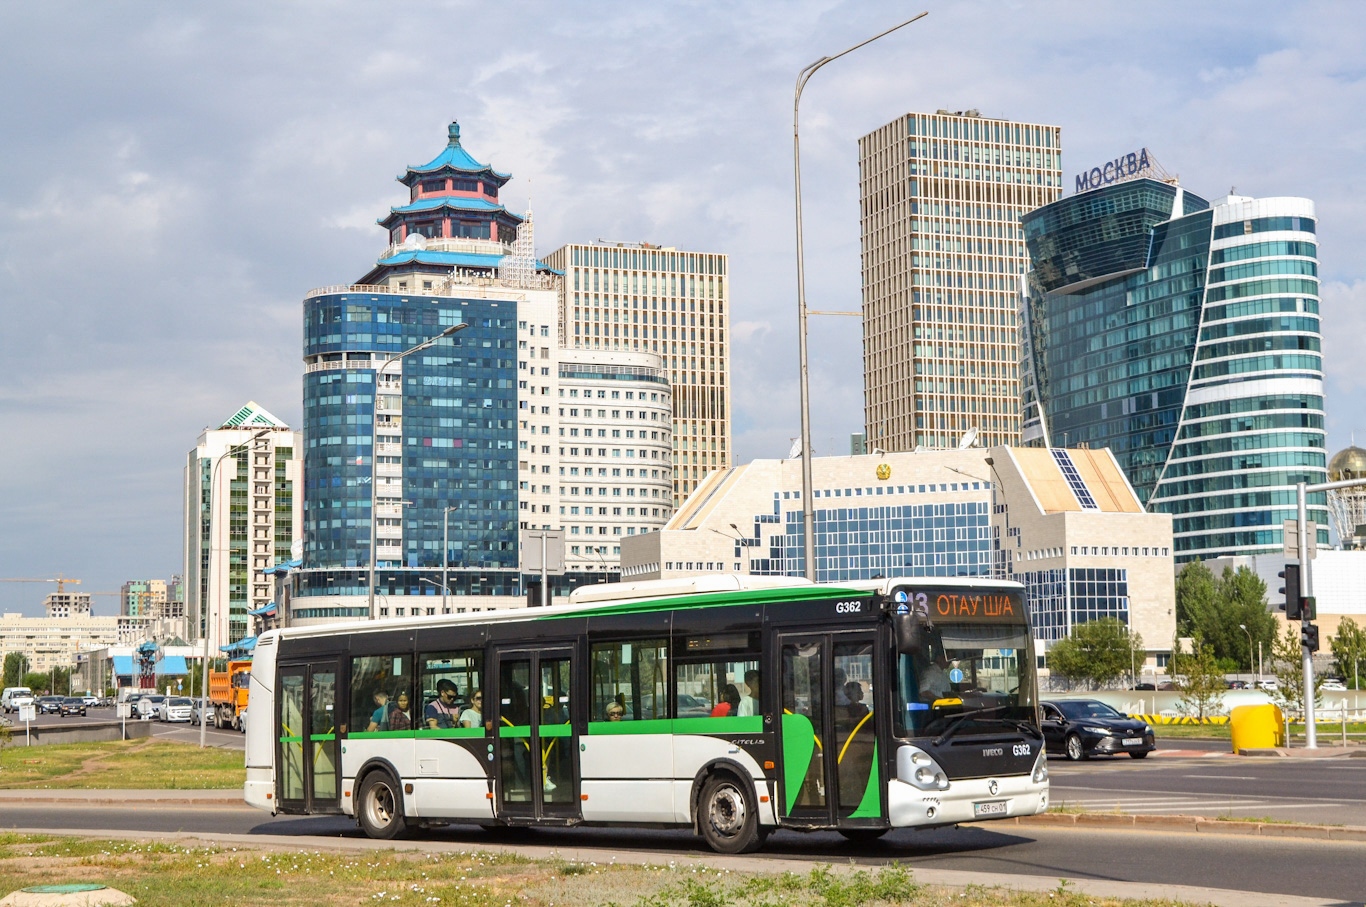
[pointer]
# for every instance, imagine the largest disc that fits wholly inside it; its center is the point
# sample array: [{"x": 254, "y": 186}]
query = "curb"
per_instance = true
[{"x": 1190, "y": 825}]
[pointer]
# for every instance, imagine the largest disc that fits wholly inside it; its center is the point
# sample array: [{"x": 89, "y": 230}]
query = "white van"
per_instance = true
[{"x": 14, "y": 697}]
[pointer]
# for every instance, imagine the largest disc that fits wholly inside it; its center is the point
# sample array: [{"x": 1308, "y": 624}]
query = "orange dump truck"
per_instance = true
[{"x": 228, "y": 694}]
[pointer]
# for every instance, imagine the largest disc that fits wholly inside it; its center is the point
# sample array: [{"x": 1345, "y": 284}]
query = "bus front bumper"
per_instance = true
[{"x": 971, "y": 800}]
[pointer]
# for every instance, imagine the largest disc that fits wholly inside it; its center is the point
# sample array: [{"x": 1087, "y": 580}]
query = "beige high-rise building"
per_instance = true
[
  {"x": 639, "y": 297},
  {"x": 941, "y": 196}
]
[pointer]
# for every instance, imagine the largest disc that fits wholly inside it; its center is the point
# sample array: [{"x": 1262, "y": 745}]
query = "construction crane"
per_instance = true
[{"x": 58, "y": 579}]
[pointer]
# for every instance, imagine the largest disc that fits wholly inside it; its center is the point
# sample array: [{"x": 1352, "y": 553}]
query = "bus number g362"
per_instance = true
[{"x": 853, "y": 607}]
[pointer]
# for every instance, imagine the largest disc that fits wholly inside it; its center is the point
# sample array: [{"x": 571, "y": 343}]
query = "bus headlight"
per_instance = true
[
  {"x": 1040, "y": 775},
  {"x": 918, "y": 769}
]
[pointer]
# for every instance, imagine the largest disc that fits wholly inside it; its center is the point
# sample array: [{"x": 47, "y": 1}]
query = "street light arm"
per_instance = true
[{"x": 808, "y": 506}]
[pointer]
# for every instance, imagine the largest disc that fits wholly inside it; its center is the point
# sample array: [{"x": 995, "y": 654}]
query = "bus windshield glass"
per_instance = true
[{"x": 973, "y": 677}]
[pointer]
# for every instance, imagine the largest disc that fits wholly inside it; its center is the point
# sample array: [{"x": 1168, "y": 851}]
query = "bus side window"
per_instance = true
[
  {"x": 465, "y": 669},
  {"x": 378, "y": 683},
  {"x": 633, "y": 675}
]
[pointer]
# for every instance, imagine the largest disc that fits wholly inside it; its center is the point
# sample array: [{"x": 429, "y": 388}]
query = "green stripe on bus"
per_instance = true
[
  {"x": 729, "y": 724},
  {"x": 736, "y": 599},
  {"x": 870, "y": 806},
  {"x": 378, "y": 735},
  {"x": 441, "y": 732},
  {"x": 317, "y": 737},
  {"x": 521, "y": 731},
  {"x": 623, "y": 728},
  {"x": 291, "y": 740},
  {"x": 556, "y": 730}
]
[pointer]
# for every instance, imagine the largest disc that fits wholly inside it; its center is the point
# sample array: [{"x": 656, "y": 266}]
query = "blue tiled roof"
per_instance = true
[
  {"x": 449, "y": 201},
  {"x": 456, "y": 158},
  {"x": 448, "y": 259}
]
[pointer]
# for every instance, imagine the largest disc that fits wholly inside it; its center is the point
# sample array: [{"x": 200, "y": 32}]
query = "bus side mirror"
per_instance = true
[{"x": 910, "y": 629}]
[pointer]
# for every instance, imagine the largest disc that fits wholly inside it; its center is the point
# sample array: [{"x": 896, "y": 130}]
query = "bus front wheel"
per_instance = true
[
  {"x": 381, "y": 807},
  {"x": 728, "y": 820}
]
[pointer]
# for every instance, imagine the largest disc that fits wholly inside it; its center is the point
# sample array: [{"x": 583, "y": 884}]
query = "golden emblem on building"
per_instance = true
[{"x": 884, "y": 471}]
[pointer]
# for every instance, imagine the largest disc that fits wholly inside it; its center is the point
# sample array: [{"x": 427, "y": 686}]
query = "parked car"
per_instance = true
[
  {"x": 1334, "y": 686},
  {"x": 72, "y": 705},
  {"x": 1145, "y": 686},
  {"x": 176, "y": 708},
  {"x": 148, "y": 706},
  {"x": 49, "y": 705},
  {"x": 1078, "y": 728},
  {"x": 1269, "y": 684},
  {"x": 1237, "y": 684}
]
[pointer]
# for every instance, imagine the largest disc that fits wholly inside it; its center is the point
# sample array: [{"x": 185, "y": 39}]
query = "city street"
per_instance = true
[
  {"x": 1183, "y": 781},
  {"x": 178, "y": 731}
]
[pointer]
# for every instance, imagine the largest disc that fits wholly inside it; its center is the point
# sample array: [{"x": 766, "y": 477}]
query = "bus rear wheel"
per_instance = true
[
  {"x": 380, "y": 809},
  {"x": 728, "y": 820}
]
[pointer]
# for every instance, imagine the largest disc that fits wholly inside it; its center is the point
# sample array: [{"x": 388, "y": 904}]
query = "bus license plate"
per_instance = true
[
  {"x": 1133, "y": 741},
  {"x": 990, "y": 808}
]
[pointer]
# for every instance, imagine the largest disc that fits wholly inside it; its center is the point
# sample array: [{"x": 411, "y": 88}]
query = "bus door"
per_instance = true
[
  {"x": 829, "y": 774},
  {"x": 307, "y": 746},
  {"x": 537, "y": 747}
]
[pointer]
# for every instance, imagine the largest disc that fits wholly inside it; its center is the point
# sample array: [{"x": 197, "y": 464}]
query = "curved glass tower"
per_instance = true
[{"x": 1184, "y": 336}]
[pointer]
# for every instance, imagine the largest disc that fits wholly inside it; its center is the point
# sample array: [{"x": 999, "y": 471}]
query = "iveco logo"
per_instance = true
[
  {"x": 993, "y": 787},
  {"x": 993, "y": 751}
]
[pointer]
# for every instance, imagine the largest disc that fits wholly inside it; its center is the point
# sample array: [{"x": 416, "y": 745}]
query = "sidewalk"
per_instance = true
[{"x": 228, "y": 797}]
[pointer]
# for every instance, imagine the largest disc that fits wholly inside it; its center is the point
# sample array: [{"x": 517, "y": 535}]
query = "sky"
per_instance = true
[{"x": 175, "y": 178}]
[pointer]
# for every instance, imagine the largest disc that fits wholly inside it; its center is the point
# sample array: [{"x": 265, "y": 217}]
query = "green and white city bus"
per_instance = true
[{"x": 731, "y": 705}]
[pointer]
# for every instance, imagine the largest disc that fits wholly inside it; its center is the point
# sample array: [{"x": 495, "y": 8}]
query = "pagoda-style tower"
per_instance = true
[{"x": 453, "y": 220}]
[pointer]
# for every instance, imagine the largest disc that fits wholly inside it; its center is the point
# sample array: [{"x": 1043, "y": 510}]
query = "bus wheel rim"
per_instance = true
[{"x": 727, "y": 811}]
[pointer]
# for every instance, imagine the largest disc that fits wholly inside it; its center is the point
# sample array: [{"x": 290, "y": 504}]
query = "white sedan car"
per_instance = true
[{"x": 176, "y": 708}]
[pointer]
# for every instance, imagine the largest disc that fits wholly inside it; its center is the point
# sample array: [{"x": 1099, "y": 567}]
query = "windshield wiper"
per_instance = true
[{"x": 958, "y": 722}]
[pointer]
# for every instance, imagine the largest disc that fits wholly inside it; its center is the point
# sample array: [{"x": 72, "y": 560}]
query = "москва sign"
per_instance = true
[{"x": 1125, "y": 167}]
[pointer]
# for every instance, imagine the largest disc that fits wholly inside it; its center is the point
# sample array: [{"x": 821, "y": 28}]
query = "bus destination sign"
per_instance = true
[{"x": 955, "y": 605}]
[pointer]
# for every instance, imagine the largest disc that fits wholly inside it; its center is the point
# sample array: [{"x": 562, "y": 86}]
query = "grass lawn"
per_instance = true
[
  {"x": 120, "y": 764},
  {"x": 158, "y": 874}
]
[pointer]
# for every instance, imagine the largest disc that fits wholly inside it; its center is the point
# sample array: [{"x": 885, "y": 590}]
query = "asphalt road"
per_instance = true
[
  {"x": 181, "y": 731},
  {"x": 1324, "y": 869},
  {"x": 1180, "y": 781}
]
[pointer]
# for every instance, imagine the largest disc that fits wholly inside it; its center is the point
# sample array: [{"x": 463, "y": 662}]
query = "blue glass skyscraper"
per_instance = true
[{"x": 1184, "y": 336}]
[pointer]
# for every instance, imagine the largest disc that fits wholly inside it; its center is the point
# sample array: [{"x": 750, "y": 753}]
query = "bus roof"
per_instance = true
[{"x": 691, "y": 591}]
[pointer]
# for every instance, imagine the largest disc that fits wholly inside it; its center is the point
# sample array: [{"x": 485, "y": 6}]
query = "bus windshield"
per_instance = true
[{"x": 977, "y": 678}]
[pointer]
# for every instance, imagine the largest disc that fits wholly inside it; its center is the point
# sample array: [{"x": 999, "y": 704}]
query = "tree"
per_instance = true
[
  {"x": 14, "y": 669},
  {"x": 1202, "y": 680},
  {"x": 37, "y": 681},
  {"x": 1349, "y": 650},
  {"x": 1197, "y": 598},
  {"x": 1097, "y": 653},
  {"x": 1288, "y": 666}
]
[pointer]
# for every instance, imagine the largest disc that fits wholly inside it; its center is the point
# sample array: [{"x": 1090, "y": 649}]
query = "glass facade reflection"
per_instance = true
[{"x": 1189, "y": 344}]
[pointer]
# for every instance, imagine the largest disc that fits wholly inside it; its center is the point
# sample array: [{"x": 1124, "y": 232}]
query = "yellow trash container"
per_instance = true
[{"x": 1257, "y": 727}]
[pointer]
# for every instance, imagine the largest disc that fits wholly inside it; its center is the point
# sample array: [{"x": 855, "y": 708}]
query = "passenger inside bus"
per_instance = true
[
  {"x": 729, "y": 704},
  {"x": 442, "y": 712},
  {"x": 378, "y": 718},
  {"x": 854, "y": 707},
  {"x": 400, "y": 716},
  {"x": 750, "y": 704},
  {"x": 473, "y": 716},
  {"x": 615, "y": 711}
]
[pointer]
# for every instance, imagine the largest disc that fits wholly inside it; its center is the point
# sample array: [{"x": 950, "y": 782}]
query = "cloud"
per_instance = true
[{"x": 184, "y": 175}]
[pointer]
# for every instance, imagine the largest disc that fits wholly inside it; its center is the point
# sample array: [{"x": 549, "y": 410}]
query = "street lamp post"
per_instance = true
[
  {"x": 209, "y": 596},
  {"x": 808, "y": 506},
  {"x": 446, "y": 559},
  {"x": 1244, "y": 628},
  {"x": 374, "y": 462}
]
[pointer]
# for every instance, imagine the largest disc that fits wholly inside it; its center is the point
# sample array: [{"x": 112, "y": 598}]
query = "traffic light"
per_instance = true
[
  {"x": 1291, "y": 575},
  {"x": 1309, "y": 637},
  {"x": 1309, "y": 607}
]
